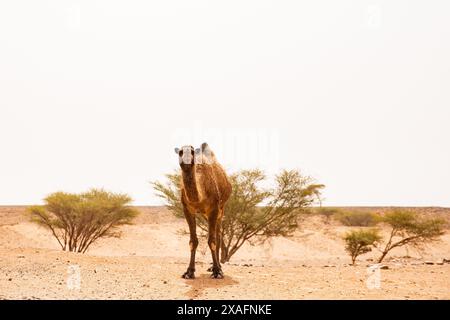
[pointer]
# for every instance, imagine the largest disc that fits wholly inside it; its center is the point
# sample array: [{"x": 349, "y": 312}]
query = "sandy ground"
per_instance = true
[{"x": 149, "y": 258}]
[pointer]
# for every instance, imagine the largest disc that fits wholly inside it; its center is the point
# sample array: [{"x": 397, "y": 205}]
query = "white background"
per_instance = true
[{"x": 354, "y": 93}]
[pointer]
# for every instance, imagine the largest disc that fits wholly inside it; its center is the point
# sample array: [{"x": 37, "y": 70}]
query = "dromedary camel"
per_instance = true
[{"x": 204, "y": 189}]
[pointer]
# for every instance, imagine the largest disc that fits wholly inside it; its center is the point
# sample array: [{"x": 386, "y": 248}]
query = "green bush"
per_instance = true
[
  {"x": 327, "y": 213},
  {"x": 252, "y": 212},
  {"x": 360, "y": 241},
  {"x": 410, "y": 228},
  {"x": 78, "y": 220},
  {"x": 357, "y": 218}
]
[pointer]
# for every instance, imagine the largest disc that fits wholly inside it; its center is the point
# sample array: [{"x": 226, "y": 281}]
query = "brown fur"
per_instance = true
[{"x": 204, "y": 189}]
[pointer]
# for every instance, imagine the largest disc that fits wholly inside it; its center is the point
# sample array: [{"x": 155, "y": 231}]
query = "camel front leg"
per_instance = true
[
  {"x": 193, "y": 244},
  {"x": 219, "y": 240},
  {"x": 213, "y": 244}
]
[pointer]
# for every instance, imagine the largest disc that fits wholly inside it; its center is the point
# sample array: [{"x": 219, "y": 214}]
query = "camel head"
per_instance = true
[{"x": 188, "y": 156}]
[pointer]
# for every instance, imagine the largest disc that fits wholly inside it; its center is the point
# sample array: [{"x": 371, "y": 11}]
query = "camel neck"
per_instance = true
[{"x": 190, "y": 185}]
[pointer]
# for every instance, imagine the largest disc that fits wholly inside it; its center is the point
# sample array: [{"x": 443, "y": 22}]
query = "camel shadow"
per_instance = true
[{"x": 204, "y": 281}]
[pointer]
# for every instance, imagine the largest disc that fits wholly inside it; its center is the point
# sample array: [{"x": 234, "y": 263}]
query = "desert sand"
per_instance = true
[{"x": 149, "y": 258}]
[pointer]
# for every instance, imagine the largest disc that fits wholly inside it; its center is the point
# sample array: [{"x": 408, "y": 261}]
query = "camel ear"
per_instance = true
[{"x": 177, "y": 150}]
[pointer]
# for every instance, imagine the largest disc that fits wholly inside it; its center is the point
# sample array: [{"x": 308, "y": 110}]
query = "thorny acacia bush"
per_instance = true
[
  {"x": 78, "y": 220},
  {"x": 410, "y": 228},
  {"x": 358, "y": 242},
  {"x": 357, "y": 218},
  {"x": 252, "y": 214}
]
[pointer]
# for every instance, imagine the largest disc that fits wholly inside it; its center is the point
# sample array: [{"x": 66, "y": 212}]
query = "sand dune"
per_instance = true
[{"x": 147, "y": 261}]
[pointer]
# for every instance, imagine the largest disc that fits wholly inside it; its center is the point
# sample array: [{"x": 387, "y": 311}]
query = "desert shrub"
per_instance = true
[
  {"x": 358, "y": 242},
  {"x": 78, "y": 220},
  {"x": 410, "y": 228},
  {"x": 327, "y": 213},
  {"x": 252, "y": 213},
  {"x": 357, "y": 218}
]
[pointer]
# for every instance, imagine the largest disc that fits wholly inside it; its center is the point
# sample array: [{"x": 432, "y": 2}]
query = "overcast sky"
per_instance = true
[{"x": 354, "y": 93}]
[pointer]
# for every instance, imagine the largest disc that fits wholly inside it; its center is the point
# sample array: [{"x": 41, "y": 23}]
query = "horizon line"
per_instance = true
[{"x": 316, "y": 206}]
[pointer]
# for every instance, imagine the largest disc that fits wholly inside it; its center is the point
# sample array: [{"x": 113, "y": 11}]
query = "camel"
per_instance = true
[{"x": 204, "y": 190}]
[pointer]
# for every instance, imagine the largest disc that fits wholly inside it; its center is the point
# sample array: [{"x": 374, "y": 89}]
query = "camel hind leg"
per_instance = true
[{"x": 219, "y": 234}]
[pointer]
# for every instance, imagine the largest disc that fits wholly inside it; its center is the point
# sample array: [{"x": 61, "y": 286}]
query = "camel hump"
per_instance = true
[
  {"x": 204, "y": 146},
  {"x": 206, "y": 150},
  {"x": 204, "y": 155}
]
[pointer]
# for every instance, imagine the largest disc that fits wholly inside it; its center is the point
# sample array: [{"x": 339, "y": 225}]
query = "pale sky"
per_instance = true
[{"x": 354, "y": 93}]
